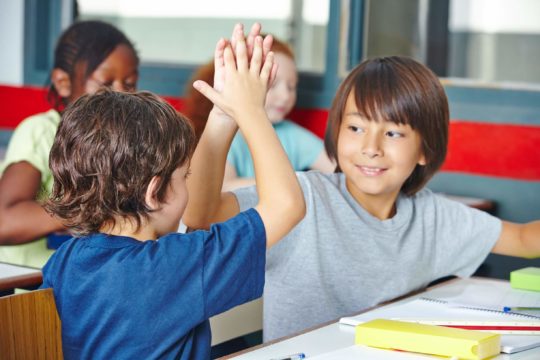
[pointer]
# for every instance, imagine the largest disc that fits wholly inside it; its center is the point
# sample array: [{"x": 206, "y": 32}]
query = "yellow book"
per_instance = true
[{"x": 428, "y": 339}]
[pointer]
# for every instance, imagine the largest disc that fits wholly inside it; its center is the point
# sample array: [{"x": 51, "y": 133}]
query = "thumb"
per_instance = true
[{"x": 208, "y": 91}]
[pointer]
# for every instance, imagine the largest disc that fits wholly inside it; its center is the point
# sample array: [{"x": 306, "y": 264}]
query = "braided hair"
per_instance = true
[{"x": 90, "y": 42}]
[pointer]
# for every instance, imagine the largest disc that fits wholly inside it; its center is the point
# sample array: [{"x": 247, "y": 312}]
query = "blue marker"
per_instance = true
[
  {"x": 297, "y": 356},
  {"x": 520, "y": 308}
]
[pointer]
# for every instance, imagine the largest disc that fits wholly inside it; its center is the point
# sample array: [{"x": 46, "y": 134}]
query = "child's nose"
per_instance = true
[{"x": 371, "y": 146}]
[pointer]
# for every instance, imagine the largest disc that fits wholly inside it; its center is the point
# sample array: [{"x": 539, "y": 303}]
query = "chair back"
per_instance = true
[{"x": 29, "y": 326}]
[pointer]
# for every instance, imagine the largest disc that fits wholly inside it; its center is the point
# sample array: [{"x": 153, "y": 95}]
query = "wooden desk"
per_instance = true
[
  {"x": 333, "y": 337},
  {"x": 15, "y": 276}
]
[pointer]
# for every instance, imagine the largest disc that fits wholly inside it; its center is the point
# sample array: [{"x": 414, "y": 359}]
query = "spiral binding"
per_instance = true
[{"x": 477, "y": 308}]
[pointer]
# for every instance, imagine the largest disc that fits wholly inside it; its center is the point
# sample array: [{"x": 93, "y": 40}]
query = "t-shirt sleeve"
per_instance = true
[
  {"x": 27, "y": 143},
  {"x": 247, "y": 197},
  {"x": 234, "y": 262},
  {"x": 240, "y": 157},
  {"x": 465, "y": 237}
]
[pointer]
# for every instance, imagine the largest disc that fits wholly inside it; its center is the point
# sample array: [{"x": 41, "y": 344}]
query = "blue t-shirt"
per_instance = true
[
  {"x": 119, "y": 298},
  {"x": 301, "y": 146}
]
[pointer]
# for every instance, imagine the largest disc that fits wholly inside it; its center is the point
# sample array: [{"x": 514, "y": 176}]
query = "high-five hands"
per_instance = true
[{"x": 251, "y": 58}]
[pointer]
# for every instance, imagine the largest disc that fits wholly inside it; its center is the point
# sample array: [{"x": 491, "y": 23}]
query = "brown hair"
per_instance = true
[
  {"x": 196, "y": 106},
  {"x": 107, "y": 149},
  {"x": 403, "y": 91}
]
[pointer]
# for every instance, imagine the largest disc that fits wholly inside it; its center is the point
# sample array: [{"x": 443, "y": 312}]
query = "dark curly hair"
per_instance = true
[
  {"x": 403, "y": 91},
  {"x": 107, "y": 149}
]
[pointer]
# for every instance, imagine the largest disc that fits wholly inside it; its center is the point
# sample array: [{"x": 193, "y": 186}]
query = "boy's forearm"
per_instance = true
[
  {"x": 273, "y": 170},
  {"x": 207, "y": 171},
  {"x": 531, "y": 239}
]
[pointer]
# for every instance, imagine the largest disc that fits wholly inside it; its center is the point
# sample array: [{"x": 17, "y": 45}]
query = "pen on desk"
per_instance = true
[
  {"x": 520, "y": 308},
  {"x": 297, "y": 356}
]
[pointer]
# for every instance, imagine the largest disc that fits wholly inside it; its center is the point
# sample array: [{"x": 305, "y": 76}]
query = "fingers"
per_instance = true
[
  {"x": 268, "y": 66},
  {"x": 273, "y": 73},
  {"x": 208, "y": 92},
  {"x": 256, "y": 59},
  {"x": 241, "y": 54},
  {"x": 267, "y": 44},
  {"x": 228, "y": 57},
  {"x": 253, "y": 33},
  {"x": 237, "y": 30},
  {"x": 218, "y": 53}
]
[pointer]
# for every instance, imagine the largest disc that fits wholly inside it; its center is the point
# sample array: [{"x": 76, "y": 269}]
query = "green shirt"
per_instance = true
[{"x": 31, "y": 142}]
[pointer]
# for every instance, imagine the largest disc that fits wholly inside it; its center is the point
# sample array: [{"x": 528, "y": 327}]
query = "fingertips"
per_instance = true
[
  {"x": 267, "y": 44},
  {"x": 266, "y": 71}
]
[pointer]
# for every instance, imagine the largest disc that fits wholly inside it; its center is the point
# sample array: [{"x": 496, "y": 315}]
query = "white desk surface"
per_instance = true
[
  {"x": 334, "y": 341},
  {"x": 15, "y": 276},
  {"x": 11, "y": 270}
]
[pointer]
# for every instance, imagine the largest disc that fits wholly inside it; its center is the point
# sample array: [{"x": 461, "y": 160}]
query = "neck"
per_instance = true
[
  {"x": 382, "y": 207},
  {"x": 128, "y": 227}
]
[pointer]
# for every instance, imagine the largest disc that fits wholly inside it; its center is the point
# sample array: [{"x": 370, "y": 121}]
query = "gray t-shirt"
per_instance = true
[{"x": 340, "y": 259}]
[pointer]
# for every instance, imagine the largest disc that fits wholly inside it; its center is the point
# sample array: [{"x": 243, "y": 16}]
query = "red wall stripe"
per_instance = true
[
  {"x": 17, "y": 103},
  {"x": 477, "y": 148},
  {"x": 500, "y": 150}
]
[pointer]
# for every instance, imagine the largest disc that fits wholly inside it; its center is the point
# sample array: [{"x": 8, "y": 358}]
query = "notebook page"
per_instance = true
[
  {"x": 469, "y": 291},
  {"x": 493, "y": 295}
]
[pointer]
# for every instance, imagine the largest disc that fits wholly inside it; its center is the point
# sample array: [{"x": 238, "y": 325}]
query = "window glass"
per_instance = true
[
  {"x": 495, "y": 40},
  {"x": 182, "y": 32},
  {"x": 480, "y": 40}
]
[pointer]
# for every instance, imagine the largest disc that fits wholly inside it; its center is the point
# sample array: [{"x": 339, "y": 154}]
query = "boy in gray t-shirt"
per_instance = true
[
  {"x": 371, "y": 232},
  {"x": 341, "y": 259}
]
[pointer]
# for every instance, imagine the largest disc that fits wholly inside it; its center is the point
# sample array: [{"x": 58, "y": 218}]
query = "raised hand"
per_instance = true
[{"x": 245, "y": 82}]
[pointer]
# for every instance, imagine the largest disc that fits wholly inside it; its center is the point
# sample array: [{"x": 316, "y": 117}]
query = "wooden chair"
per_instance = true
[{"x": 29, "y": 326}]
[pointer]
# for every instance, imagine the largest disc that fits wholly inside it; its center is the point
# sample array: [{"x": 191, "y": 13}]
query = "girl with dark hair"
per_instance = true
[{"x": 89, "y": 55}]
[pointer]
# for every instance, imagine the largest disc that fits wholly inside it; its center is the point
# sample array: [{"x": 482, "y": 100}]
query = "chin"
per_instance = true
[{"x": 275, "y": 121}]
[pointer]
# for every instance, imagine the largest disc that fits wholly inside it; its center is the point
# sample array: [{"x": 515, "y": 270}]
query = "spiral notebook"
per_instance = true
[{"x": 469, "y": 302}]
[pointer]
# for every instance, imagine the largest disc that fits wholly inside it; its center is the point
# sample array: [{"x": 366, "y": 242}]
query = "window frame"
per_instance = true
[{"x": 43, "y": 25}]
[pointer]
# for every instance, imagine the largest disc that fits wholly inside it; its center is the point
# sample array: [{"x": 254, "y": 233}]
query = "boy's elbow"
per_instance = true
[
  {"x": 195, "y": 220},
  {"x": 295, "y": 207}
]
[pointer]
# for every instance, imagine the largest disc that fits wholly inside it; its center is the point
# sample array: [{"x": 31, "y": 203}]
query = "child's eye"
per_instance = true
[
  {"x": 394, "y": 134},
  {"x": 355, "y": 129}
]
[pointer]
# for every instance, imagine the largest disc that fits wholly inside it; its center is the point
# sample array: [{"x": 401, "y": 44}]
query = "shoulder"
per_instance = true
[
  {"x": 289, "y": 127},
  {"x": 41, "y": 121},
  {"x": 37, "y": 128},
  {"x": 448, "y": 210},
  {"x": 315, "y": 179}
]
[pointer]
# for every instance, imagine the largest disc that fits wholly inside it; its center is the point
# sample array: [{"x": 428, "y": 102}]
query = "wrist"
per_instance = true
[
  {"x": 221, "y": 119},
  {"x": 250, "y": 115}
]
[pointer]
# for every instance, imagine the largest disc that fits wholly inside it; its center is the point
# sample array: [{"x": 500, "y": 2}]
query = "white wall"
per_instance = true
[{"x": 11, "y": 41}]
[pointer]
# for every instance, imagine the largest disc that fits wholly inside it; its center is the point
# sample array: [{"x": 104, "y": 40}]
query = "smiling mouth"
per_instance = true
[{"x": 371, "y": 171}]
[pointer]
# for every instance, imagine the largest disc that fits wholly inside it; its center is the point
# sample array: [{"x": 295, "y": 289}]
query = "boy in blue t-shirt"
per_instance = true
[{"x": 127, "y": 286}]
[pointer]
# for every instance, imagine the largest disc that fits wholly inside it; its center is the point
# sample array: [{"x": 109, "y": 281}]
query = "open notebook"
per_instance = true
[{"x": 468, "y": 302}]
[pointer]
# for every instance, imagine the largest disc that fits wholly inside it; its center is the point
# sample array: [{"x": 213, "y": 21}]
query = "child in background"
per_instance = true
[
  {"x": 372, "y": 231},
  {"x": 130, "y": 287},
  {"x": 89, "y": 55},
  {"x": 304, "y": 149}
]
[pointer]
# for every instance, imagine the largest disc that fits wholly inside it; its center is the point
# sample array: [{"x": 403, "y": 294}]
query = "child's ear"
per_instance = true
[
  {"x": 422, "y": 160},
  {"x": 62, "y": 83},
  {"x": 150, "y": 196}
]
